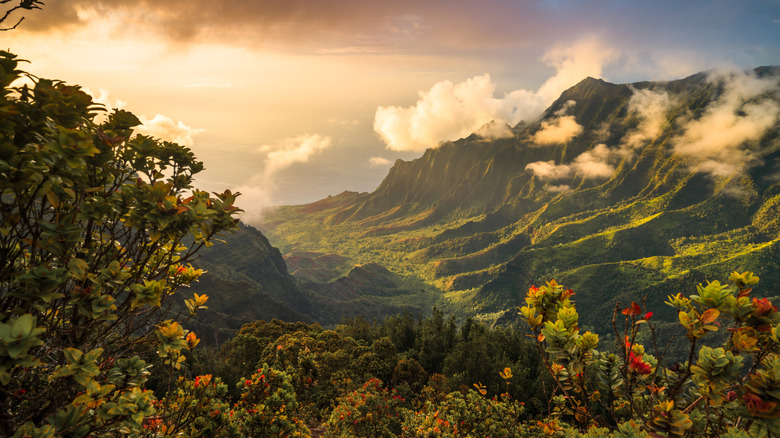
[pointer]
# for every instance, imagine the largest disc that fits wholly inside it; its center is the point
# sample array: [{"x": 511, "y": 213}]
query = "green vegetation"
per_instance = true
[
  {"x": 98, "y": 227},
  {"x": 468, "y": 219},
  {"x": 709, "y": 394},
  {"x": 93, "y": 221}
]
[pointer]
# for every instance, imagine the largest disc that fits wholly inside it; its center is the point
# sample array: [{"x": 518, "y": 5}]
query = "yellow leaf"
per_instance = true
[
  {"x": 201, "y": 299},
  {"x": 506, "y": 374}
]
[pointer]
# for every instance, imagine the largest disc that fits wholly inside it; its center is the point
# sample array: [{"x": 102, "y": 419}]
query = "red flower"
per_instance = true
[
  {"x": 648, "y": 315},
  {"x": 637, "y": 365}
]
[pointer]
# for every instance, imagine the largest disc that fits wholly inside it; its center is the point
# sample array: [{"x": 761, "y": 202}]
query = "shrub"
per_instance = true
[
  {"x": 371, "y": 411},
  {"x": 711, "y": 394},
  {"x": 467, "y": 415},
  {"x": 268, "y": 406},
  {"x": 92, "y": 224}
]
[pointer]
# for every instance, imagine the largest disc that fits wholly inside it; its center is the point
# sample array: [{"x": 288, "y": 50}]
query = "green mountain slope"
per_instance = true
[
  {"x": 477, "y": 220},
  {"x": 247, "y": 280}
]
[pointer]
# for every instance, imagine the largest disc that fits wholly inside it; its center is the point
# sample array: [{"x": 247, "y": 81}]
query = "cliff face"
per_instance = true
[{"x": 617, "y": 190}]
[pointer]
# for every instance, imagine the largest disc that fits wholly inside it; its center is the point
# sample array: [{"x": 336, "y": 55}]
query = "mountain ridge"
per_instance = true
[{"x": 473, "y": 219}]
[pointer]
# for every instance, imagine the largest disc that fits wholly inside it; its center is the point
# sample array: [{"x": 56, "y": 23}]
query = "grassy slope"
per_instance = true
[{"x": 469, "y": 220}]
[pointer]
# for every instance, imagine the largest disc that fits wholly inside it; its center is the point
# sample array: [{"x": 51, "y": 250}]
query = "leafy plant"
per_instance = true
[
  {"x": 711, "y": 394},
  {"x": 268, "y": 406},
  {"x": 369, "y": 411},
  {"x": 465, "y": 415},
  {"x": 93, "y": 221}
]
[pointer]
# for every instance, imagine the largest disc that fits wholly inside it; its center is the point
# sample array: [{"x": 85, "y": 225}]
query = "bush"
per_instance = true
[
  {"x": 268, "y": 406},
  {"x": 371, "y": 411},
  {"x": 93, "y": 221},
  {"x": 467, "y": 415},
  {"x": 194, "y": 408},
  {"x": 711, "y": 394}
]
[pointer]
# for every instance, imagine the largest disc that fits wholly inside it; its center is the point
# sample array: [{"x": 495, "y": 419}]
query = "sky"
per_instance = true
[{"x": 289, "y": 101}]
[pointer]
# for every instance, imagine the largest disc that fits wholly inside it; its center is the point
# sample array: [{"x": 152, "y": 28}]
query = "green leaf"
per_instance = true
[{"x": 78, "y": 269}]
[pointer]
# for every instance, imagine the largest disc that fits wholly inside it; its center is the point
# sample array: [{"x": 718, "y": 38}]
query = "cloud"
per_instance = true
[
  {"x": 446, "y": 112},
  {"x": 102, "y": 97},
  {"x": 450, "y": 111},
  {"x": 165, "y": 128},
  {"x": 591, "y": 164},
  {"x": 650, "y": 107},
  {"x": 724, "y": 140},
  {"x": 257, "y": 193},
  {"x": 594, "y": 163},
  {"x": 353, "y": 50},
  {"x": 160, "y": 126},
  {"x": 548, "y": 170},
  {"x": 559, "y": 130},
  {"x": 332, "y": 27},
  {"x": 379, "y": 162},
  {"x": 558, "y": 189},
  {"x": 293, "y": 150},
  {"x": 494, "y": 130}
]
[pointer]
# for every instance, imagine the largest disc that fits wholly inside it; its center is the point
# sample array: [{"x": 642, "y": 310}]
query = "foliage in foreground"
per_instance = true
[
  {"x": 92, "y": 224},
  {"x": 714, "y": 393}
]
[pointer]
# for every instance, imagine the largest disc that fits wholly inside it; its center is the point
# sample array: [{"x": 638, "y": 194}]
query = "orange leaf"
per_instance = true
[{"x": 709, "y": 315}]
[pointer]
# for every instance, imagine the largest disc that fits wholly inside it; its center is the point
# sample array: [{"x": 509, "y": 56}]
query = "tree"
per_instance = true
[{"x": 93, "y": 222}]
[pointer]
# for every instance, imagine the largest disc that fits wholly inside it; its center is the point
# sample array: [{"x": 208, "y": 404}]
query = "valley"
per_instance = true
[{"x": 474, "y": 225}]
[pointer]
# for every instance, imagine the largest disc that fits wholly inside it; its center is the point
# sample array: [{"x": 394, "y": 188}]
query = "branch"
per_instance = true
[
  {"x": 3, "y": 29},
  {"x": 23, "y": 4}
]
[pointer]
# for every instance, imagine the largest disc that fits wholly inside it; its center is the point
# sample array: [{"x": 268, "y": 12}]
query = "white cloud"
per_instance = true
[
  {"x": 165, "y": 128},
  {"x": 724, "y": 140},
  {"x": 379, "y": 162},
  {"x": 160, "y": 126},
  {"x": 257, "y": 193},
  {"x": 594, "y": 163},
  {"x": 495, "y": 130},
  {"x": 559, "y": 130},
  {"x": 445, "y": 112},
  {"x": 591, "y": 164},
  {"x": 293, "y": 150},
  {"x": 560, "y": 188},
  {"x": 103, "y": 98},
  {"x": 548, "y": 170},
  {"x": 650, "y": 107},
  {"x": 450, "y": 111}
]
